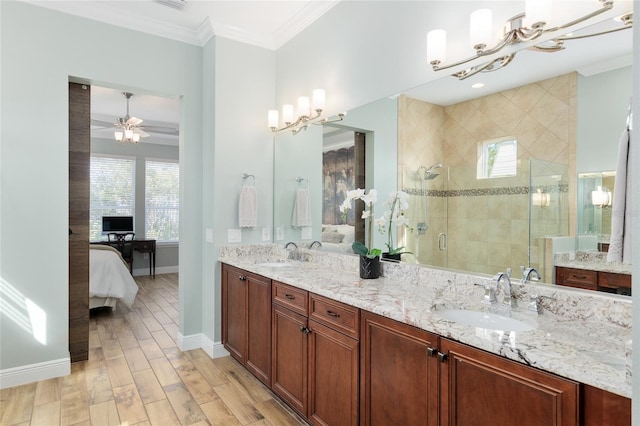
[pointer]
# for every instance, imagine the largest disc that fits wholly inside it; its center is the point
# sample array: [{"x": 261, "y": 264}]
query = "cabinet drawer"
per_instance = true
[
  {"x": 144, "y": 246},
  {"x": 291, "y": 297},
  {"x": 612, "y": 280},
  {"x": 336, "y": 315},
  {"x": 580, "y": 278}
]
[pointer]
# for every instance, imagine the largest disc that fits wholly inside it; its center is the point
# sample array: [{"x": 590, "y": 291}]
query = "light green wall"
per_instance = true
[
  {"x": 166, "y": 253},
  {"x": 244, "y": 92},
  {"x": 601, "y": 123},
  {"x": 41, "y": 50}
]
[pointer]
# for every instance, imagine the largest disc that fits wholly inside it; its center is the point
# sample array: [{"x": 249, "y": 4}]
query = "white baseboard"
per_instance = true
[
  {"x": 16, "y": 376},
  {"x": 160, "y": 270},
  {"x": 195, "y": 341}
]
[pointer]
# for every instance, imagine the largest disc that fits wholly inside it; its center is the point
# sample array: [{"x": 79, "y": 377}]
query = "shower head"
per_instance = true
[{"x": 429, "y": 173}]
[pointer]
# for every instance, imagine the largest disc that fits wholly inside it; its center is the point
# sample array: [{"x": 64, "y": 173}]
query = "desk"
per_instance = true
[{"x": 141, "y": 246}]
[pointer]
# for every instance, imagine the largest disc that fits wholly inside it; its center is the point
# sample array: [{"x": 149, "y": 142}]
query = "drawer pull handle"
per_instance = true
[
  {"x": 442, "y": 357},
  {"x": 290, "y": 296},
  {"x": 580, "y": 277},
  {"x": 333, "y": 314},
  {"x": 432, "y": 351},
  {"x": 242, "y": 278},
  {"x": 305, "y": 330}
]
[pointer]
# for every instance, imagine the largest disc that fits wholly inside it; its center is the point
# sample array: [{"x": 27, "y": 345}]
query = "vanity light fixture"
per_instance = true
[
  {"x": 309, "y": 112},
  {"x": 523, "y": 27},
  {"x": 540, "y": 199},
  {"x": 601, "y": 197}
]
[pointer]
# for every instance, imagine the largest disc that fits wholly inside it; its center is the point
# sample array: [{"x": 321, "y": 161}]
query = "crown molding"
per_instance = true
[
  {"x": 108, "y": 14},
  {"x": 301, "y": 20}
]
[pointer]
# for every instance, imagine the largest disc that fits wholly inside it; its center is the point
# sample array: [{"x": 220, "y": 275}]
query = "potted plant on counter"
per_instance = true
[
  {"x": 369, "y": 257},
  {"x": 397, "y": 204}
]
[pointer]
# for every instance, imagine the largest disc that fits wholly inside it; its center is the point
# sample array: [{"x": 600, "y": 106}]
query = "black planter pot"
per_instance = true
[
  {"x": 369, "y": 267},
  {"x": 394, "y": 257}
]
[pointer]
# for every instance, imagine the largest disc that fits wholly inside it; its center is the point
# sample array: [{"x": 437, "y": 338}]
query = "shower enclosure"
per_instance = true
[{"x": 485, "y": 225}]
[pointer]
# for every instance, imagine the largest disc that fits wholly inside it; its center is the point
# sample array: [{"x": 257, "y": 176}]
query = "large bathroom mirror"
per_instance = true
[{"x": 429, "y": 141}]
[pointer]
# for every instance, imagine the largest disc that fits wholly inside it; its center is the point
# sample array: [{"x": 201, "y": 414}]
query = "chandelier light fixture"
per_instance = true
[
  {"x": 309, "y": 112},
  {"x": 524, "y": 27}
]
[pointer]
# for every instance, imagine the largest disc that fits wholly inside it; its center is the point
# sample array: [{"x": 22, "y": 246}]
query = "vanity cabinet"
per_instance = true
[
  {"x": 479, "y": 388},
  {"x": 399, "y": 379},
  {"x": 593, "y": 280},
  {"x": 337, "y": 365},
  {"x": 315, "y": 355},
  {"x": 246, "y": 320}
]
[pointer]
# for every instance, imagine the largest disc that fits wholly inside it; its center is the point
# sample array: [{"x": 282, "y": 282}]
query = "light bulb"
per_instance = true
[
  {"x": 480, "y": 29},
  {"x": 436, "y": 46},
  {"x": 272, "y": 118}
]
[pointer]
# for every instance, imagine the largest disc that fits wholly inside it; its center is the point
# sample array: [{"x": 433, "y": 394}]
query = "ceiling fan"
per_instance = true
[{"x": 131, "y": 130}]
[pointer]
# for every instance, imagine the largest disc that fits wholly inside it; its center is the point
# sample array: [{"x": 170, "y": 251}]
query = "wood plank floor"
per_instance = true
[{"x": 136, "y": 375}]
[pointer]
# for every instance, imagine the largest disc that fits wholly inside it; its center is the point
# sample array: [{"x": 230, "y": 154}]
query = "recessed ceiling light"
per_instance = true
[{"x": 477, "y": 85}]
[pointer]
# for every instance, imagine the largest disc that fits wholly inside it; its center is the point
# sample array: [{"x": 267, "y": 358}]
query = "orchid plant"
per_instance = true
[
  {"x": 397, "y": 204},
  {"x": 369, "y": 200}
]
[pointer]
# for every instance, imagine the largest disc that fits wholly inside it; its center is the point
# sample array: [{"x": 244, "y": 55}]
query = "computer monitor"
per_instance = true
[{"x": 117, "y": 224}]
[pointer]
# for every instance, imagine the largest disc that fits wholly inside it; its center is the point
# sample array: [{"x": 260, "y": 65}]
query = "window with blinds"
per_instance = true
[
  {"x": 498, "y": 158},
  {"x": 112, "y": 190},
  {"x": 162, "y": 200}
]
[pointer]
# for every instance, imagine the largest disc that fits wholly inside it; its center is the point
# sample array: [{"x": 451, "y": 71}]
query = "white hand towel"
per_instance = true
[
  {"x": 302, "y": 208},
  {"x": 620, "y": 243},
  {"x": 248, "y": 207}
]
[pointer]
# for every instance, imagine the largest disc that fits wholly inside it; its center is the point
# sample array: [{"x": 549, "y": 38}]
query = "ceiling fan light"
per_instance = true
[
  {"x": 118, "y": 136},
  {"x": 136, "y": 138},
  {"x": 128, "y": 134}
]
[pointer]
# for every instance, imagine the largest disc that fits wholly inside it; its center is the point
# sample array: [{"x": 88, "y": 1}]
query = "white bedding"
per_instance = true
[{"x": 109, "y": 277}]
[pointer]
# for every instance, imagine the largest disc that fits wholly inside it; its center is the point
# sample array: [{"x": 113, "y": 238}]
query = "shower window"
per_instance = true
[{"x": 497, "y": 158}]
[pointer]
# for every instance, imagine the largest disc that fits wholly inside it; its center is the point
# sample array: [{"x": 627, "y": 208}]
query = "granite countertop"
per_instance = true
[
  {"x": 579, "y": 335},
  {"x": 593, "y": 261}
]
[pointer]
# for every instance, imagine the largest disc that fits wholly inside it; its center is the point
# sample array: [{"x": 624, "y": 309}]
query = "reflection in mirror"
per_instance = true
[
  {"x": 595, "y": 195},
  {"x": 565, "y": 123},
  {"x": 343, "y": 169}
]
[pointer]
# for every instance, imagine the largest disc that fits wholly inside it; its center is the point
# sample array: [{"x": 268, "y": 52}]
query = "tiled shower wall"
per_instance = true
[{"x": 488, "y": 227}]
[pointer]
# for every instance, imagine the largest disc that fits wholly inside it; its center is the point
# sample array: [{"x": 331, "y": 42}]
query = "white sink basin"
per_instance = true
[
  {"x": 483, "y": 320},
  {"x": 274, "y": 264}
]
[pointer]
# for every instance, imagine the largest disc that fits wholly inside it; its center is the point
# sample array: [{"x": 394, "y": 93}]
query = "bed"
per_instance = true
[
  {"x": 337, "y": 238},
  {"x": 109, "y": 278}
]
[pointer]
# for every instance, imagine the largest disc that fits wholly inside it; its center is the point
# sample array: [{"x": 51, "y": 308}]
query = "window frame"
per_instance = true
[
  {"x": 484, "y": 171},
  {"x": 146, "y": 160}
]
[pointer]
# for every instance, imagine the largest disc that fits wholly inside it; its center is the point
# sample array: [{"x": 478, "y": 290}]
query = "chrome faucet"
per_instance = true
[
  {"x": 315, "y": 243},
  {"x": 528, "y": 274},
  {"x": 507, "y": 299},
  {"x": 291, "y": 243}
]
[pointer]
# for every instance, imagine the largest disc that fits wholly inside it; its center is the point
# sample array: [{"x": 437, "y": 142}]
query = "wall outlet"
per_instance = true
[
  {"x": 145, "y": 256},
  {"x": 279, "y": 233},
  {"x": 266, "y": 234},
  {"x": 234, "y": 236},
  {"x": 209, "y": 235}
]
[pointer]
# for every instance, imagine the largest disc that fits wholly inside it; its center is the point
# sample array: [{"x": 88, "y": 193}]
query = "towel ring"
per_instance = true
[
  {"x": 246, "y": 176},
  {"x": 302, "y": 182}
]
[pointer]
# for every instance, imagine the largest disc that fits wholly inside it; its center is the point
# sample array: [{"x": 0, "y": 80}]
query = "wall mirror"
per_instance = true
[{"x": 426, "y": 142}]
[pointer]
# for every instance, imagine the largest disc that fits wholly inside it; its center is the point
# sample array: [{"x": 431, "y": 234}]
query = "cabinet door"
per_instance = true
[
  {"x": 234, "y": 312},
  {"x": 259, "y": 328},
  {"x": 479, "y": 388},
  {"x": 333, "y": 377},
  {"x": 289, "y": 358},
  {"x": 399, "y": 380}
]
